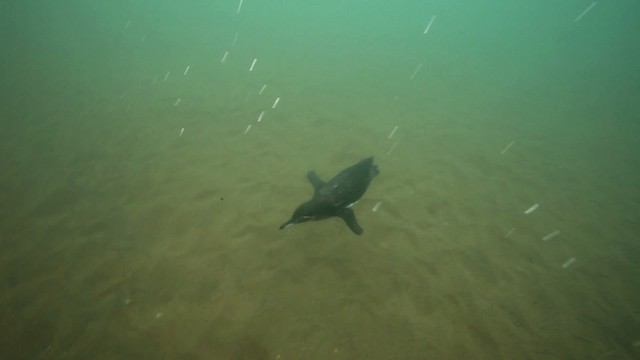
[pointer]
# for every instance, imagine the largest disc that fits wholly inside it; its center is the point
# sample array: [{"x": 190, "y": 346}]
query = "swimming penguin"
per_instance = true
[{"x": 335, "y": 198}]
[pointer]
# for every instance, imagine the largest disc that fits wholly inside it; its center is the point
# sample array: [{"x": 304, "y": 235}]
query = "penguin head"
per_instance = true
[{"x": 306, "y": 212}]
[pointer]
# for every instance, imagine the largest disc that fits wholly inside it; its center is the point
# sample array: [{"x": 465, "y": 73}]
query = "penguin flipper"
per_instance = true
[
  {"x": 315, "y": 180},
  {"x": 349, "y": 218}
]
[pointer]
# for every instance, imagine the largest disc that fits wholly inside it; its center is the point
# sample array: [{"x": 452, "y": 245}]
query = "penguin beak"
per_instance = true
[{"x": 286, "y": 224}]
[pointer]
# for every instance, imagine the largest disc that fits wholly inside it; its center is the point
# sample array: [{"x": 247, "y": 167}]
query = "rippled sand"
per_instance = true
[{"x": 128, "y": 240}]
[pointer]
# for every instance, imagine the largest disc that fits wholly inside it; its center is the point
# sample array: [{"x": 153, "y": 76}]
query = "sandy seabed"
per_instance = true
[{"x": 123, "y": 239}]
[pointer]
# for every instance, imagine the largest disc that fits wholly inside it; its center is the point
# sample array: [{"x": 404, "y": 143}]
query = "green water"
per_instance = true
[{"x": 141, "y": 197}]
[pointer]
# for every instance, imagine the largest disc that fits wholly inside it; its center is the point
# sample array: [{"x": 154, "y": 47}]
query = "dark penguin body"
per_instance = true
[{"x": 335, "y": 197}]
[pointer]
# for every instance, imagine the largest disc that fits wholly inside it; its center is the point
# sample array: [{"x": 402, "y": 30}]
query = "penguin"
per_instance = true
[{"x": 337, "y": 196}]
